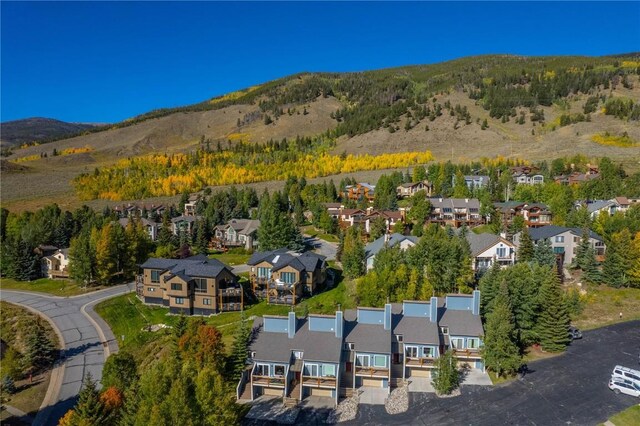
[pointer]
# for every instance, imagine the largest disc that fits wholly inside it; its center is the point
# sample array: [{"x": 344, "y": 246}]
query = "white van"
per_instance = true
[{"x": 620, "y": 372}]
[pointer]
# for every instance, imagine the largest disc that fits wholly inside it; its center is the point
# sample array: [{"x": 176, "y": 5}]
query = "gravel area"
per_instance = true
[
  {"x": 398, "y": 401},
  {"x": 454, "y": 393},
  {"x": 345, "y": 411}
]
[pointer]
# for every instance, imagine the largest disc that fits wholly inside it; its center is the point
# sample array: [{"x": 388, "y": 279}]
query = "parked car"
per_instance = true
[
  {"x": 627, "y": 387},
  {"x": 620, "y": 372},
  {"x": 575, "y": 333}
]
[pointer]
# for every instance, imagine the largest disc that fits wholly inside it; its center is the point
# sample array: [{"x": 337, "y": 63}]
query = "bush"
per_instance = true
[{"x": 446, "y": 377}]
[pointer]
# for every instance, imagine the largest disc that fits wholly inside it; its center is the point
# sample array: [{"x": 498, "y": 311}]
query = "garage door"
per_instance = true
[
  {"x": 320, "y": 392},
  {"x": 419, "y": 372},
  {"x": 273, "y": 392},
  {"x": 372, "y": 383}
]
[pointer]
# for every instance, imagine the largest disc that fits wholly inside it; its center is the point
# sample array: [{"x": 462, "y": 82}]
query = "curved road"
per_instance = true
[{"x": 86, "y": 338}]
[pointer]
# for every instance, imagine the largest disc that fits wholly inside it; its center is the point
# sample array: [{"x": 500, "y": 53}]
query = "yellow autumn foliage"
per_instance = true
[
  {"x": 70, "y": 151},
  {"x": 624, "y": 141},
  {"x": 33, "y": 157}
]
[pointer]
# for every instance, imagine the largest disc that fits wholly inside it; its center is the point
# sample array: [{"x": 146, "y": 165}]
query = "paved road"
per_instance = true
[
  {"x": 569, "y": 389},
  {"x": 87, "y": 341}
]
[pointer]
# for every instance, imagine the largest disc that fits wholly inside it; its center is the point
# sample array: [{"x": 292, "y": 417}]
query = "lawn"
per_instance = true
[
  {"x": 628, "y": 417},
  {"x": 47, "y": 285},
  {"x": 232, "y": 258},
  {"x": 315, "y": 233},
  {"x": 604, "y": 305},
  {"x": 482, "y": 229}
]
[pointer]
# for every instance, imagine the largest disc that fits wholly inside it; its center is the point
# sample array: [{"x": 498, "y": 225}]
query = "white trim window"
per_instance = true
[
  {"x": 473, "y": 343},
  {"x": 444, "y": 330},
  {"x": 263, "y": 370},
  {"x": 328, "y": 370},
  {"x": 311, "y": 370},
  {"x": 428, "y": 352},
  {"x": 362, "y": 360},
  {"x": 298, "y": 354},
  {"x": 560, "y": 239},
  {"x": 457, "y": 342},
  {"x": 279, "y": 370},
  {"x": 380, "y": 361},
  {"x": 411, "y": 351}
]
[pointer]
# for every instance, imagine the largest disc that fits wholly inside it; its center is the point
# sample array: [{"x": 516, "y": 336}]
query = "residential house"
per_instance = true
[
  {"x": 348, "y": 218},
  {"x": 295, "y": 357},
  {"x": 565, "y": 241},
  {"x": 596, "y": 207},
  {"x": 575, "y": 178},
  {"x": 238, "y": 233},
  {"x": 461, "y": 328},
  {"x": 410, "y": 189},
  {"x": 526, "y": 175},
  {"x": 56, "y": 265},
  {"x": 359, "y": 192},
  {"x": 283, "y": 277},
  {"x": 391, "y": 218},
  {"x": 333, "y": 209},
  {"x": 185, "y": 224},
  {"x": 486, "y": 249},
  {"x": 367, "y": 348},
  {"x": 535, "y": 215},
  {"x": 417, "y": 337},
  {"x": 192, "y": 286},
  {"x": 473, "y": 181},
  {"x": 45, "y": 250},
  {"x": 152, "y": 228},
  {"x": 455, "y": 211},
  {"x": 191, "y": 206},
  {"x": 387, "y": 240},
  {"x": 142, "y": 210}
]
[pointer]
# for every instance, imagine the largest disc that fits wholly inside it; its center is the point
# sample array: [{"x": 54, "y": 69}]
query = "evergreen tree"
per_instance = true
[
  {"x": 526, "y": 250},
  {"x": 352, "y": 255},
  {"x": 82, "y": 259},
  {"x": 378, "y": 228},
  {"x": 446, "y": 377},
  {"x": 553, "y": 320},
  {"x": 89, "y": 409},
  {"x": 120, "y": 371},
  {"x": 618, "y": 262},
  {"x": 165, "y": 236},
  {"x": 543, "y": 254},
  {"x": 501, "y": 353},
  {"x": 590, "y": 270},
  {"x": 7, "y": 385},
  {"x": 239, "y": 349},
  {"x": 489, "y": 286},
  {"x": 40, "y": 351},
  {"x": 583, "y": 249},
  {"x": 27, "y": 262},
  {"x": 460, "y": 188},
  {"x": 201, "y": 242}
]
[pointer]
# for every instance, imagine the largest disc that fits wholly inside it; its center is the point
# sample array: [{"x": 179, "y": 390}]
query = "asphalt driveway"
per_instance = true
[{"x": 570, "y": 389}]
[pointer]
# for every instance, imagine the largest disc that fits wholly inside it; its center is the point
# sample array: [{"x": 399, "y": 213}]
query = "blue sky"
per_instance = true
[{"x": 104, "y": 62}]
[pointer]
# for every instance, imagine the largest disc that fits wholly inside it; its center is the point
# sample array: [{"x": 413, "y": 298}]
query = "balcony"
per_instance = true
[
  {"x": 259, "y": 281},
  {"x": 319, "y": 382},
  {"x": 230, "y": 292},
  {"x": 467, "y": 353},
  {"x": 423, "y": 362},
  {"x": 269, "y": 381},
  {"x": 59, "y": 274},
  {"x": 228, "y": 307},
  {"x": 372, "y": 371}
]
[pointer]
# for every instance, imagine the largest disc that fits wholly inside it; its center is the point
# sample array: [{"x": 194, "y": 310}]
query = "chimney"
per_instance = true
[
  {"x": 339, "y": 324},
  {"x": 440, "y": 199},
  {"x": 386, "y": 237},
  {"x": 466, "y": 200},
  {"x": 387, "y": 316},
  {"x": 291, "y": 329},
  {"x": 475, "y": 310},
  {"x": 433, "y": 314}
]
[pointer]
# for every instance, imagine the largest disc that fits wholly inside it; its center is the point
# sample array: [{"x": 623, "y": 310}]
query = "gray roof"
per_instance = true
[
  {"x": 484, "y": 179},
  {"x": 374, "y": 247},
  {"x": 416, "y": 330},
  {"x": 280, "y": 258},
  {"x": 195, "y": 266},
  {"x": 146, "y": 222},
  {"x": 460, "y": 323},
  {"x": 277, "y": 347},
  {"x": 599, "y": 204},
  {"x": 244, "y": 226},
  {"x": 186, "y": 218},
  {"x": 508, "y": 205},
  {"x": 366, "y": 337},
  {"x": 457, "y": 203},
  {"x": 481, "y": 242},
  {"x": 549, "y": 231}
]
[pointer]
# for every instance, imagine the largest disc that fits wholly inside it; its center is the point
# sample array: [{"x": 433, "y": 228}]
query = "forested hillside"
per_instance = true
[{"x": 533, "y": 108}]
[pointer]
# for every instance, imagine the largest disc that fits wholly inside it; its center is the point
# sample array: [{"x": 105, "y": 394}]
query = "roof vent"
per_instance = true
[{"x": 275, "y": 259}]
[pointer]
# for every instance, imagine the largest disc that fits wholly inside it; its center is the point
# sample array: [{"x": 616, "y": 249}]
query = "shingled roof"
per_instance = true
[{"x": 195, "y": 266}]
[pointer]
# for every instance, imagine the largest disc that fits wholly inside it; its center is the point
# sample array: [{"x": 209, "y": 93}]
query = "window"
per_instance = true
[
  {"x": 399, "y": 337},
  {"x": 151, "y": 289},
  {"x": 349, "y": 346},
  {"x": 297, "y": 354},
  {"x": 457, "y": 343},
  {"x": 201, "y": 285},
  {"x": 176, "y": 286},
  {"x": 428, "y": 352},
  {"x": 311, "y": 370},
  {"x": 278, "y": 370},
  {"x": 264, "y": 272},
  {"x": 206, "y": 301},
  {"x": 362, "y": 360},
  {"x": 328, "y": 370},
  {"x": 558, "y": 250},
  {"x": 262, "y": 370},
  {"x": 502, "y": 252},
  {"x": 559, "y": 239},
  {"x": 288, "y": 277},
  {"x": 472, "y": 343},
  {"x": 444, "y": 330},
  {"x": 411, "y": 351},
  {"x": 179, "y": 300},
  {"x": 379, "y": 361},
  {"x": 155, "y": 276}
]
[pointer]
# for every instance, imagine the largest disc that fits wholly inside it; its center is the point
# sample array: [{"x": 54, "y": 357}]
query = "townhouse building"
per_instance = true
[
  {"x": 152, "y": 228},
  {"x": 192, "y": 286},
  {"x": 283, "y": 277},
  {"x": 487, "y": 249},
  {"x": 455, "y": 212},
  {"x": 359, "y": 192},
  {"x": 535, "y": 215},
  {"x": 186, "y": 224},
  {"x": 334, "y": 355},
  {"x": 191, "y": 206},
  {"x": 564, "y": 241},
  {"x": 238, "y": 233},
  {"x": 410, "y": 189},
  {"x": 526, "y": 175}
]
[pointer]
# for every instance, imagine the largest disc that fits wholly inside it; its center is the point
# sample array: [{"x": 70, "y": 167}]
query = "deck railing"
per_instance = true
[
  {"x": 319, "y": 381},
  {"x": 372, "y": 371},
  {"x": 268, "y": 381}
]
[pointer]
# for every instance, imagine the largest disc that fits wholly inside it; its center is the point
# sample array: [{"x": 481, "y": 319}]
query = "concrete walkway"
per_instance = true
[{"x": 86, "y": 342}]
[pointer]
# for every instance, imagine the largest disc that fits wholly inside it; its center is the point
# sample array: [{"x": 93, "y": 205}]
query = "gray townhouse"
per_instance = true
[{"x": 565, "y": 241}]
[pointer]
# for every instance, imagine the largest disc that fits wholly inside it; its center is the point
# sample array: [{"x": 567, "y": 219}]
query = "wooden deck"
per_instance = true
[
  {"x": 420, "y": 362},
  {"x": 319, "y": 382},
  {"x": 467, "y": 353},
  {"x": 372, "y": 372},
  {"x": 272, "y": 382}
]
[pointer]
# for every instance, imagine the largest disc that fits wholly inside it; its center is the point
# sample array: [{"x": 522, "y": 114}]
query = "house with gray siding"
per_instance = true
[
  {"x": 387, "y": 240},
  {"x": 461, "y": 328},
  {"x": 565, "y": 241}
]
